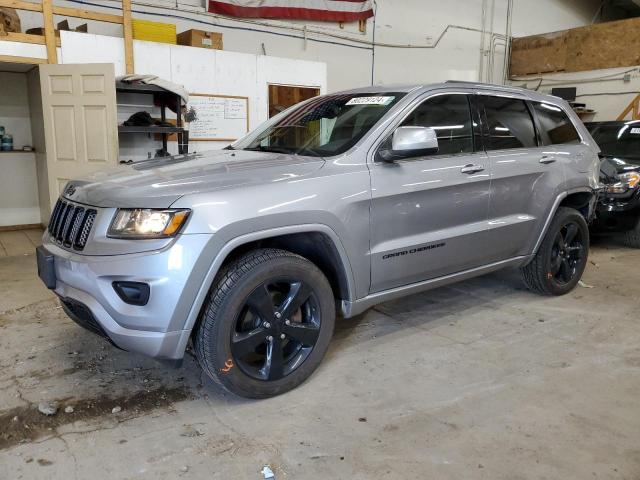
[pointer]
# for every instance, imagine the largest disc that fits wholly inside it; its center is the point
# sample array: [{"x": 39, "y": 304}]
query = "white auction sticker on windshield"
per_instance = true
[
  {"x": 371, "y": 101},
  {"x": 635, "y": 131}
]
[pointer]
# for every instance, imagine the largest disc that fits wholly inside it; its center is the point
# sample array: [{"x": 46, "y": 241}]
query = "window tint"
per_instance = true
[
  {"x": 556, "y": 125},
  {"x": 618, "y": 139},
  {"x": 450, "y": 117},
  {"x": 510, "y": 124}
]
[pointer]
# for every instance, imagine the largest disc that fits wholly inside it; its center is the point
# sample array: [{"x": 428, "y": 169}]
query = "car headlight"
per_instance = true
[
  {"x": 626, "y": 182},
  {"x": 144, "y": 223}
]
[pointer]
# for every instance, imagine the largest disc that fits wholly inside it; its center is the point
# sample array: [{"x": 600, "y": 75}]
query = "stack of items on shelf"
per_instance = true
[{"x": 6, "y": 141}]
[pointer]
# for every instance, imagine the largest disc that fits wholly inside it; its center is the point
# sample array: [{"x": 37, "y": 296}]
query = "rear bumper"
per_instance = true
[{"x": 85, "y": 286}]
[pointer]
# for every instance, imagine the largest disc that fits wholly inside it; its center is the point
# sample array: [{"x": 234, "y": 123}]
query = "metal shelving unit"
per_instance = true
[{"x": 164, "y": 98}]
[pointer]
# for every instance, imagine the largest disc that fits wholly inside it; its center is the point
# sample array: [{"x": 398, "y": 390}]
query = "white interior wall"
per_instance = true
[
  {"x": 347, "y": 52},
  {"x": 17, "y": 49},
  {"x": 18, "y": 184},
  {"x": 18, "y": 189},
  {"x": 457, "y": 54}
]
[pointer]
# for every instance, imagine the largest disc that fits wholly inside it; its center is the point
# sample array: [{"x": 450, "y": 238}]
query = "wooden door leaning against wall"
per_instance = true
[{"x": 80, "y": 124}]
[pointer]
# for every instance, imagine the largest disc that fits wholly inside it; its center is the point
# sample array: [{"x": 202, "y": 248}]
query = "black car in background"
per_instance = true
[{"x": 618, "y": 210}]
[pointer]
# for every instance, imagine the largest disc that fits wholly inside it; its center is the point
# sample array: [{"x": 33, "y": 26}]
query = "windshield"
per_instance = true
[
  {"x": 618, "y": 140},
  {"x": 323, "y": 126}
]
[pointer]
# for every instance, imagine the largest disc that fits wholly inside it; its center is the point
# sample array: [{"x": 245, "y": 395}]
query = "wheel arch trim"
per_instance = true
[
  {"x": 238, "y": 241},
  {"x": 554, "y": 210}
]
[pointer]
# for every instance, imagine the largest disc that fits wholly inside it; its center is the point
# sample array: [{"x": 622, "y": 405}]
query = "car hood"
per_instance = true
[
  {"x": 158, "y": 183},
  {"x": 612, "y": 166}
]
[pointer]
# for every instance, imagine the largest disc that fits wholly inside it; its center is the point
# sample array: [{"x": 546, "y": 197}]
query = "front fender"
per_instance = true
[{"x": 223, "y": 243}]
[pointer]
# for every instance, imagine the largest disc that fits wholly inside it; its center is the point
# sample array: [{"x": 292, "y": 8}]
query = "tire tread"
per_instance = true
[
  {"x": 205, "y": 346},
  {"x": 632, "y": 237},
  {"x": 535, "y": 273}
]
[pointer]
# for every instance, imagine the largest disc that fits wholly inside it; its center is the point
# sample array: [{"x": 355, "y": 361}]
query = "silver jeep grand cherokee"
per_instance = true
[{"x": 346, "y": 200}]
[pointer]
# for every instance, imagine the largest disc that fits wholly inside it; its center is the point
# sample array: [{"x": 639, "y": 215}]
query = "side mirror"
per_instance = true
[{"x": 410, "y": 142}]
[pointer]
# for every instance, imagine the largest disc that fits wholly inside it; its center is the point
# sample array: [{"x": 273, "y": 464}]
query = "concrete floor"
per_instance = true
[
  {"x": 479, "y": 380},
  {"x": 19, "y": 242}
]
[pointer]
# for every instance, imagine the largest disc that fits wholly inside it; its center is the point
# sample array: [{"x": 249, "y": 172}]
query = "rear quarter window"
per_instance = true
[{"x": 556, "y": 126}]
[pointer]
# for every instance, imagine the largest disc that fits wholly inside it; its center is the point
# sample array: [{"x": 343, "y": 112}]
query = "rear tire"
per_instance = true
[
  {"x": 267, "y": 324},
  {"x": 632, "y": 237},
  {"x": 562, "y": 258}
]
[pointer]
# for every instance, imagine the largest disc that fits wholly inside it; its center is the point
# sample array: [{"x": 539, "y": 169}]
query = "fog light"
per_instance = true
[{"x": 133, "y": 293}]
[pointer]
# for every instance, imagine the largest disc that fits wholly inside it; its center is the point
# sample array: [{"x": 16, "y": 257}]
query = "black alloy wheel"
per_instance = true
[
  {"x": 561, "y": 259},
  {"x": 267, "y": 323},
  {"x": 276, "y": 330},
  {"x": 567, "y": 253}
]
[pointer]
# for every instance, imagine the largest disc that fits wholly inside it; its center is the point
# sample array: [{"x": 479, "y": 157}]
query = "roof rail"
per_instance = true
[{"x": 490, "y": 85}]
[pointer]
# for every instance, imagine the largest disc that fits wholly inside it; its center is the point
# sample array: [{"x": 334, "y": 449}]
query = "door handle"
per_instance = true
[
  {"x": 547, "y": 160},
  {"x": 471, "y": 168}
]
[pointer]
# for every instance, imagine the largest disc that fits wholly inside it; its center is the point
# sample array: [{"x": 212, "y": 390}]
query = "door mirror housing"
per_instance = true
[{"x": 410, "y": 142}]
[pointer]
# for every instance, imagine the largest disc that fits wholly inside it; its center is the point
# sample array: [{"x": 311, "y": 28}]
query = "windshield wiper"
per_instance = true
[
  {"x": 308, "y": 152},
  {"x": 289, "y": 151},
  {"x": 261, "y": 148}
]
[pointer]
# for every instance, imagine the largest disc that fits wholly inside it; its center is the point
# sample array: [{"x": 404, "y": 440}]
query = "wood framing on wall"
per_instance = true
[
  {"x": 49, "y": 39},
  {"x": 594, "y": 47}
]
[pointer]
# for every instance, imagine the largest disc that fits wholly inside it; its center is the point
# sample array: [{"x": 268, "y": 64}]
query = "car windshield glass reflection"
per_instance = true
[
  {"x": 324, "y": 126},
  {"x": 618, "y": 140}
]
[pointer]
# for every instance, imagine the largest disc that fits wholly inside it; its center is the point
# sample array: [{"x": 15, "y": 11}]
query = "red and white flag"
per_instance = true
[{"x": 322, "y": 10}]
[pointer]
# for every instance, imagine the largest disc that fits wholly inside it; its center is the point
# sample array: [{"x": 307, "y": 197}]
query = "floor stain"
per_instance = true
[{"x": 26, "y": 423}]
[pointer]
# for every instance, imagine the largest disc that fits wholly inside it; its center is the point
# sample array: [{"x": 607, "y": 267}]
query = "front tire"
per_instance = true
[
  {"x": 562, "y": 258},
  {"x": 632, "y": 237},
  {"x": 267, "y": 325}
]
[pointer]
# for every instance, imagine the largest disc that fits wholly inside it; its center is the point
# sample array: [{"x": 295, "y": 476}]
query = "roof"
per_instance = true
[{"x": 378, "y": 89}]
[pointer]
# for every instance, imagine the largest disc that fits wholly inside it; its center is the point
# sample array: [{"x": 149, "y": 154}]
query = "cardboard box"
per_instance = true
[
  {"x": 200, "y": 38},
  {"x": 154, "y": 31},
  {"x": 62, "y": 26}
]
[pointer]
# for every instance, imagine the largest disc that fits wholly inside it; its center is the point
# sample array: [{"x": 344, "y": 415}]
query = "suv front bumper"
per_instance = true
[
  {"x": 617, "y": 214},
  {"x": 84, "y": 285}
]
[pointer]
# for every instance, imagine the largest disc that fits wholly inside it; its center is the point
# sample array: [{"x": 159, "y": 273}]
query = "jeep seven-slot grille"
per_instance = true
[{"x": 70, "y": 224}]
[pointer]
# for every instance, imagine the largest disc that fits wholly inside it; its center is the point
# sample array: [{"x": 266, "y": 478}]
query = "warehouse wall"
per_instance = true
[
  {"x": 608, "y": 92},
  {"x": 348, "y": 53},
  {"x": 457, "y": 55}
]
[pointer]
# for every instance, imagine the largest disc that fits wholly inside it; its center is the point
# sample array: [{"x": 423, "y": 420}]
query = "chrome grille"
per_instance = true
[{"x": 70, "y": 224}]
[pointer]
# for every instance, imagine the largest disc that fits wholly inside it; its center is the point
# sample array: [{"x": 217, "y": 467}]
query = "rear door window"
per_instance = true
[
  {"x": 450, "y": 117},
  {"x": 509, "y": 124},
  {"x": 555, "y": 125}
]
